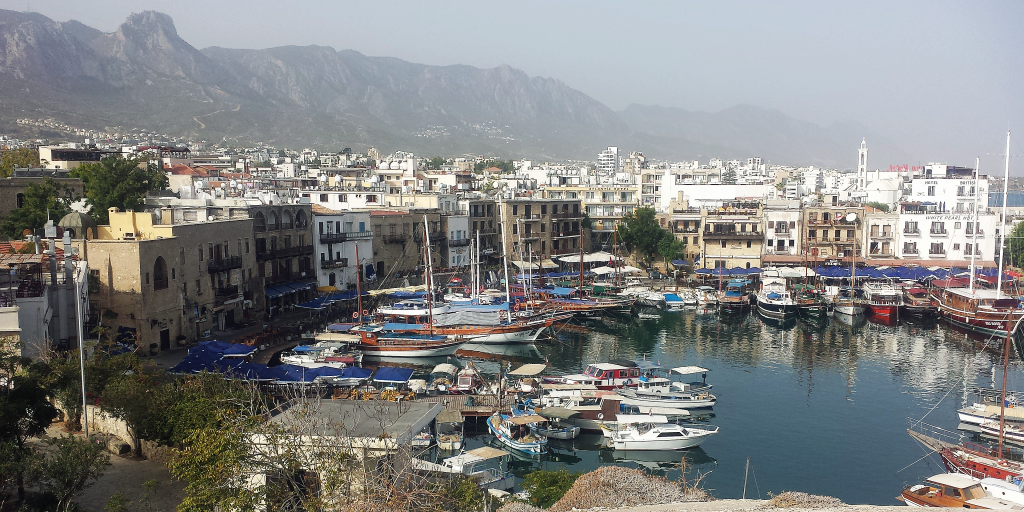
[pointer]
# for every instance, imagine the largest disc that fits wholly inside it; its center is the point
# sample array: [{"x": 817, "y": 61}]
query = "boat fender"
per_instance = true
[
  {"x": 366, "y": 313},
  {"x": 355, "y": 314},
  {"x": 1004, "y": 463},
  {"x": 600, "y": 415}
]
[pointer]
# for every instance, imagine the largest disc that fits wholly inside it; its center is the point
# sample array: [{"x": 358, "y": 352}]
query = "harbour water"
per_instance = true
[{"x": 822, "y": 410}]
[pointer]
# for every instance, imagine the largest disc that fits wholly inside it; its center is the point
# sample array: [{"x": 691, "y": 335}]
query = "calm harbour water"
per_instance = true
[{"x": 822, "y": 410}]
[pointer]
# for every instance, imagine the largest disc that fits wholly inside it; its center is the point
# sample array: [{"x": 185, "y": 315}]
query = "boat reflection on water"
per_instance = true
[
  {"x": 889, "y": 321},
  {"x": 785, "y": 325},
  {"x": 850, "y": 320},
  {"x": 659, "y": 462},
  {"x": 412, "y": 362},
  {"x": 511, "y": 352}
]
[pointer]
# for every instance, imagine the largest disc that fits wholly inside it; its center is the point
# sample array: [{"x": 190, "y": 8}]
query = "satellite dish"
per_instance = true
[{"x": 851, "y": 217}]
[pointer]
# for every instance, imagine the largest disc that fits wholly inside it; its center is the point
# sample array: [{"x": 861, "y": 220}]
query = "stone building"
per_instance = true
[
  {"x": 398, "y": 241},
  {"x": 165, "y": 281},
  {"x": 12, "y": 189},
  {"x": 338, "y": 236},
  {"x": 733, "y": 235}
]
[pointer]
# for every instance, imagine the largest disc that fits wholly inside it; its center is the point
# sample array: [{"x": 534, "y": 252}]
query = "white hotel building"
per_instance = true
[{"x": 938, "y": 222}]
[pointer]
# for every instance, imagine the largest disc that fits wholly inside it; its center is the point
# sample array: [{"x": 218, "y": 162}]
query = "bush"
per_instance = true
[{"x": 547, "y": 487}]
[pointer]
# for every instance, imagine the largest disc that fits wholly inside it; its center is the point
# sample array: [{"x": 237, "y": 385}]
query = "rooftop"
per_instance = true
[{"x": 364, "y": 419}]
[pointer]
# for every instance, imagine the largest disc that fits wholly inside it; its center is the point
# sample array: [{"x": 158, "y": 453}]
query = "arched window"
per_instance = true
[
  {"x": 259, "y": 223},
  {"x": 300, "y": 219},
  {"x": 286, "y": 220},
  {"x": 272, "y": 221},
  {"x": 160, "y": 274},
  {"x": 21, "y": 200}
]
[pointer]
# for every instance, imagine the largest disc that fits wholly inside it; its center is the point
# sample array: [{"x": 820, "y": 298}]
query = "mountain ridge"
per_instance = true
[{"x": 145, "y": 75}]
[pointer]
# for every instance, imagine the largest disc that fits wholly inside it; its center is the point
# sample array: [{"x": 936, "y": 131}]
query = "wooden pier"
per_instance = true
[{"x": 470, "y": 405}]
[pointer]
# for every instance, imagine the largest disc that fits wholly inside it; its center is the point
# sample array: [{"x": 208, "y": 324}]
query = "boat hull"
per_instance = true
[
  {"x": 849, "y": 309},
  {"x": 445, "y": 349},
  {"x": 775, "y": 310},
  {"x": 504, "y": 438},
  {"x": 884, "y": 310},
  {"x": 676, "y": 443},
  {"x": 695, "y": 401}
]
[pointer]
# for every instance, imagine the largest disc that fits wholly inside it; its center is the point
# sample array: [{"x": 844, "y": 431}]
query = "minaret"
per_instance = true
[{"x": 862, "y": 164}]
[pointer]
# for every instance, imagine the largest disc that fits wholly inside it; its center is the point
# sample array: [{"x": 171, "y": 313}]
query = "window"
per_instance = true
[
  {"x": 515, "y": 229},
  {"x": 515, "y": 209},
  {"x": 543, "y": 209},
  {"x": 936, "y": 249},
  {"x": 247, "y": 246},
  {"x": 210, "y": 247},
  {"x": 792, "y": 224},
  {"x": 723, "y": 244},
  {"x": 199, "y": 287},
  {"x": 323, "y": 198},
  {"x": 931, "y": 190},
  {"x": 938, "y": 228},
  {"x": 200, "y": 252},
  {"x": 748, "y": 244},
  {"x": 159, "y": 274},
  {"x": 849, "y": 234},
  {"x": 812, "y": 234},
  {"x": 173, "y": 272},
  {"x": 956, "y": 247},
  {"x": 910, "y": 227},
  {"x": 956, "y": 225},
  {"x": 910, "y": 247}
]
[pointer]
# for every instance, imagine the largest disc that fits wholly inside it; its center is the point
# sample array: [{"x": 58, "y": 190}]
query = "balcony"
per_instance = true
[
  {"x": 912, "y": 232},
  {"x": 783, "y": 234},
  {"x": 435, "y": 238},
  {"x": 333, "y": 238},
  {"x": 359, "y": 235},
  {"x": 459, "y": 242},
  {"x": 328, "y": 264},
  {"x": 714, "y": 235},
  {"x": 565, "y": 215},
  {"x": 938, "y": 232},
  {"x": 224, "y": 264},
  {"x": 910, "y": 250},
  {"x": 883, "y": 236},
  {"x": 940, "y": 253},
  {"x": 227, "y": 291},
  {"x": 396, "y": 238},
  {"x": 784, "y": 250},
  {"x": 561, "y": 234}
]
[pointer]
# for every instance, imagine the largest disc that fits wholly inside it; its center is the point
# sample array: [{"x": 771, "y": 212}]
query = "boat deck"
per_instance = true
[{"x": 470, "y": 405}]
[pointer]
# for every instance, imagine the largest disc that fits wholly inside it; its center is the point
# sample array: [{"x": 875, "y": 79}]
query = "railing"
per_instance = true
[
  {"x": 565, "y": 233},
  {"x": 287, "y": 225},
  {"x": 784, "y": 233},
  {"x": 352, "y": 235},
  {"x": 224, "y": 264},
  {"x": 911, "y": 231},
  {"x": 736, "y": 234},
  {"x": 784, "y": 250},
  {"x": 910, "y": 250},
  {"x": 227, "y": 291},
  {"x": 566, "y": 215},
  {"x": 396, "y": 238},
  {"x": 932, "y": 252},
  {"x": 333, "y": 238},
  {"x": 938, "y": 231},
  {"x": 259, "y": 227},
  {"x": 326, "y": 264},
  {"x": 459, "y": 242}
]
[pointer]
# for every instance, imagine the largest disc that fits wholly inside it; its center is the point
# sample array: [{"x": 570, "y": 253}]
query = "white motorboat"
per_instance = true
[
  {"x": 774, "y": 300},
  {"x": 423, "y": 439},
  {"x": 707, "y": 296},
  {"x": 978, "y": 413},
  {"x": 673, "y": 302},
  {"x": 644, "y": 433},
  {"x": 1013, "y": 434}
]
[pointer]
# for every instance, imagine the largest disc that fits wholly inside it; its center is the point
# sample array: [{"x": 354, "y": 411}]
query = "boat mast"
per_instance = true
[
  {"x": 1006, "y": 364},
  {"x": 581, "y": 260},
  {"x": 430, "y": 276},
  {"x": 974, "y": 228},
  {"x": 1002, "y": 231},
  {"x": 504, "y": 251},
  {"x": 479, "y": 283},
  {"x": 359, "y": 291}
]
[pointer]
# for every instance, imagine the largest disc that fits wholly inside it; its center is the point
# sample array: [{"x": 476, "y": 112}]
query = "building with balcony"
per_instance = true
[
  {"x": 833, "y": 233},
  {"x": 733, "y": 235},
  {"x": 398, "y": 242},
  {"x": 783, "y": 243},
  {"x": 950, "y": 188},
  {"x": 930, "y": 235},
  {"x": 339, "y": 236},
  {"x": 459, "y": 239},
  {"x": 165, "y": 281},
  {"x": 881, "y": 239},
  {"x": 545, "y": 227}
]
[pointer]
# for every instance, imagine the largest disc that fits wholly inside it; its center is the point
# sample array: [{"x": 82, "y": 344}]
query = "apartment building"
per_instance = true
[
  {"x": 733, "y": 235},
  {"x": 547, "y": 227},
  {"x": 344, "y": 246},
  {"x": 833, "y": 232},
  {"x": 398, "y": 243}
]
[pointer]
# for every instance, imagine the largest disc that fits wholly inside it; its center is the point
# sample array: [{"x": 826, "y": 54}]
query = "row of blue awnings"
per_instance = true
[{"x": 284, "y": 289}]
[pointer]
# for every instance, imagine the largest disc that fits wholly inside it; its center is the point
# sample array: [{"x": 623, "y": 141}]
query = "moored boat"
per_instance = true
[
  {"x": 514, "y": 432},
  {"x": 883, "y": 299},
  {"x": 374, "y": 341},
  {"x": 735, "y": 297},
  {"x": 654, "y": 433},
  {"x": 983, "y": 311},
  {"x": 774, "y": 300},
  {"x": 954, "y": 491},
  {"x": 917, "y": 302}
]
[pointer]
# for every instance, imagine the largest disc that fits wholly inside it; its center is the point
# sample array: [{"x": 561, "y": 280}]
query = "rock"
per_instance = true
[
  {"x": 791, "y": 499},
  {"x": 519, "y": 507},
  {"x": 614, "y": 486},
  {"x": 117, "y": 446}
]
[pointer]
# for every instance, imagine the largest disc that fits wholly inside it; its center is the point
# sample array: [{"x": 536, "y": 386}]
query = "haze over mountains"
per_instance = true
[{"x": 145, "y": 76}]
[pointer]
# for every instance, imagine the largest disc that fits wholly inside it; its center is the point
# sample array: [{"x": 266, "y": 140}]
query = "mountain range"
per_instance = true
[{"x": 146, "y": 77}]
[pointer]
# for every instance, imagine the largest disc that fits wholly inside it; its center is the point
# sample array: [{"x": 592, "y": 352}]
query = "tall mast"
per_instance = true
[
  {"x": 504, "y": 250},
  {"x": 359, "y": 289},
  {"x": 476, "y": 290},
  {"x": 1006, "y": 364},
  {"x": 974, "y": 228},
  {"x": 581, "y": 260},
  {"x": 1002, "y": 231},
  {"x": 430, "y": 276}
]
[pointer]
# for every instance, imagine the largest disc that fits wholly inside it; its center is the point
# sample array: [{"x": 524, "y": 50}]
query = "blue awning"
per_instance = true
[
  {"x": 395, "y": 375},
  {"x": 276, "y": 291},
  {"x": 318, "y": 303}
]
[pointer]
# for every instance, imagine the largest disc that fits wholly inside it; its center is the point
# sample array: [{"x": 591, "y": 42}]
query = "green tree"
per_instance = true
[
  {"x": 64, "y": 383},
  {"x": 21, "y": 157},
  {"x": 131, "y": 395},
  {"x": 669, "y": 247},
  {"x": 73, "y": 465},
  {"x": 25, "y": 408},
  {"x": 1014, "y": 246},
  {"x": 48, "y": 200},
  {"x": 506, "y": 166},
  {"x": 881, "y": 206},
  {"x": 436, "y": 162},
  {"x": 640, "y": 231},
  {"x": 116, "y": 182},
  {"x": 729, "y": 177},
  {"x": 545, "y": 488}
]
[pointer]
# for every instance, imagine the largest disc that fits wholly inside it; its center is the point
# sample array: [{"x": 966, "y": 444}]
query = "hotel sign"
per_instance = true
[{"x": 957, "y": 217}]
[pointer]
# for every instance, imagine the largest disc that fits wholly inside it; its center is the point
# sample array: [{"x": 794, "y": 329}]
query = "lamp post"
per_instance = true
[{"x": 81, "y": 349}]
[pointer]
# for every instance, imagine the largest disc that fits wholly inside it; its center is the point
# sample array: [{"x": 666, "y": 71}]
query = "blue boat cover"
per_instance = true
[
  {"x": 671, "y": 297},
  {"x": 562, "y": 292},
  {"x": 774, "y": 296},
  {"x": 340, "y": 327},
  {"x": 395, "y": 326},
  {"x": 389, "y": 374}
]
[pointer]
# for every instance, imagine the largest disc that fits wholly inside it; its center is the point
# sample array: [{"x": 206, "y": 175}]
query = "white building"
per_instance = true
[
  {"x": 459, "y": 240},
  {"x": 950, "y": 189},
  {"x": 608, "y": 160},
  {"x": 929, "y": 233},
  {"x": 338, "y": 234},
  {"x": 782, "y": 228}
]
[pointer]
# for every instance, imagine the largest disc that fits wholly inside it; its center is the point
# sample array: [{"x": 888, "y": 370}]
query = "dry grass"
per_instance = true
[
  {"x": 791, "y": 499},
  {"x": 614, "y": 486}
]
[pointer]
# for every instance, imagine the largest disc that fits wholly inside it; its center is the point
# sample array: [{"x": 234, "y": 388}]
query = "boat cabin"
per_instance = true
[{"x": 953, "y": 490}]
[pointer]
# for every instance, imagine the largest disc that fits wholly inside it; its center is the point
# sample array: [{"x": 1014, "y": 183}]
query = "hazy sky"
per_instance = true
[{"x": 942, "y": 80}]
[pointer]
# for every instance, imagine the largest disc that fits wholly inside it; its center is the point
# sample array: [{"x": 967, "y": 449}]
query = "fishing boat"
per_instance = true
[
  {"x": 441, "y": 379},
  {"x": 774, "y": 300},
  {"x": 953, "y": 490},
  {"x": 982, "y": 311},
  {"x": 650, "y": 432},
  {"x": 514, "y": 432},
  {"x": 664, "y": 393},
  {"x": 735, "y": 298},
  {"x": 593, "y": 306},
  {"x": 450, "y": 430},
  {"x": 811, "y": 304},
  {"x": 605, "y": 376},
  {"x": 582, "y": 405},
  {"x": 423, "y": 439},
  {"x": 468, "y": 381},
  {"x": 486, "y": 466},
  {"x": 550, "y": 429},
  {"x": 849, "y": 303},
  {"x": 375, "y": 341},
  {"x": 883, "y": 299},
  {"x": 917, "y": 302}
]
